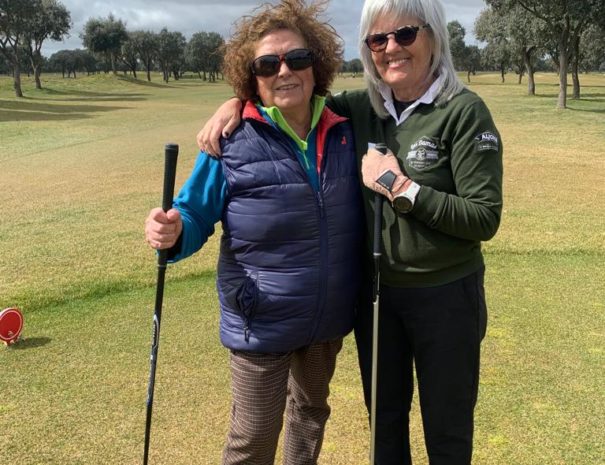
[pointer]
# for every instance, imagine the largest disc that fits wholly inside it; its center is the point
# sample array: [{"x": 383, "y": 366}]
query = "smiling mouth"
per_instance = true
[
  {"x": 398, "y": 62},
  {"x": 287, "y": 87}
]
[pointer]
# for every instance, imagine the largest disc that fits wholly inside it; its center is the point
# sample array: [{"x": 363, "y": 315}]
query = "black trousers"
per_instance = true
[{"x": 439, "y": 331}]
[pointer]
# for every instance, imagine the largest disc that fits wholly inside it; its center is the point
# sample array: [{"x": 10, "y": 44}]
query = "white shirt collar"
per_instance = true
[{"x": 428, "y": 97}]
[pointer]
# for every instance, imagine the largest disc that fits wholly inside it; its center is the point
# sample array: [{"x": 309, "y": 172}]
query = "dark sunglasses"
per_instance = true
[
  {"x": 404, "y": 36},
  {"x": 268, "y": 65}
]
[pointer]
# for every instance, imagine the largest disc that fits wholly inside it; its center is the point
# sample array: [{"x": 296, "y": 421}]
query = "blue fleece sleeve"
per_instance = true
[{"x": 200, "y": 202}]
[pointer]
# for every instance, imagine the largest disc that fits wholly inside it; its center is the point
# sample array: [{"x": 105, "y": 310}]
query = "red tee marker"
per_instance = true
[{"x": 11, "y": 324}]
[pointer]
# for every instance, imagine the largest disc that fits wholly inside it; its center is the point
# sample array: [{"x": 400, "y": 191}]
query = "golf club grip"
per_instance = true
[
  {"x": 171, "y": 153},
  {"x": 378, "y": 198}
]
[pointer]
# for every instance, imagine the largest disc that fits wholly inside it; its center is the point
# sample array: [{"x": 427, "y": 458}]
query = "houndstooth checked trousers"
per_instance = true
[{"x": 263, "y": 385}]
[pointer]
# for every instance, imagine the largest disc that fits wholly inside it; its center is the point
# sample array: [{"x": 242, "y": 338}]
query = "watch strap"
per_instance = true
[{"x": 412, "y": 191}]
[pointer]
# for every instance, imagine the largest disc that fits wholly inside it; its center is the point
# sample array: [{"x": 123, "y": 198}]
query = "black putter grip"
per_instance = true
[
  {"x": 171, "y": 153},
  {"x": 377, "y": 224},
  {"x": 378, "y": 199}
]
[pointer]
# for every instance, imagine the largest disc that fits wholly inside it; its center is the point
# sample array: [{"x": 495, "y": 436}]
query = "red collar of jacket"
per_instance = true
[{"x": 326, "y": 121}]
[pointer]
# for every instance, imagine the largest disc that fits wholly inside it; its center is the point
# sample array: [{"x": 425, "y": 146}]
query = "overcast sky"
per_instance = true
[{"x": 190, "y": 16}]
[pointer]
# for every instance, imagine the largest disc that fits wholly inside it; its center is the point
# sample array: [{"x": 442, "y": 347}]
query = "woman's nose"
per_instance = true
[
  {"x": 392, "y": 43},
  {"x": 283, "y": 69}
]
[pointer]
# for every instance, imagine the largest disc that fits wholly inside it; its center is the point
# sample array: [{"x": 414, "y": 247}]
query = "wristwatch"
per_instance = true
[{"x": 404, "y": 202}]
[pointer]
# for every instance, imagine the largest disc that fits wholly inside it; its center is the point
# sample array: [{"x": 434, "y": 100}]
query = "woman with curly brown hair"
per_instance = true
[{"x": 287, "y": 193}]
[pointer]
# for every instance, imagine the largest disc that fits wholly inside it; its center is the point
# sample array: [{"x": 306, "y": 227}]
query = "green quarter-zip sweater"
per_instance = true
[{"x": 454, "y": 153}]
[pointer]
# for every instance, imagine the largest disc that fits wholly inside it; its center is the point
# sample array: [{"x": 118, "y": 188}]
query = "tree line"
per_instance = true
[
  {"x": 166, "y": 51},
  {"x": 26, "y": 24},
  {"x": 522, "y": 35}
]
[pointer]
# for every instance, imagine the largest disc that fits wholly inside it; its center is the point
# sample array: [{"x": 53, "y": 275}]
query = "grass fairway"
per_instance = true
[{"x": 80, "y": 166}]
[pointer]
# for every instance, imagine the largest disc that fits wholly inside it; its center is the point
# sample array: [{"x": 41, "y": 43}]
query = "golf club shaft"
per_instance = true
[
  {"x": 377, "y": 251},
  {"x": 171, "y": 152},
  {"x": 378, "y": 200}
]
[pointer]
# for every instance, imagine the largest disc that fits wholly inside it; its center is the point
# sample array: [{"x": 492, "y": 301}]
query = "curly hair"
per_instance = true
[{"x": 293, "y": 15}]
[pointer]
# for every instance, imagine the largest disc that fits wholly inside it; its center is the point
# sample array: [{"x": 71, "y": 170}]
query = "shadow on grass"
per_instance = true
[
  {"x": 190, "y": 82},
  {"x": 592, "y": 94},
  {"x": 569, "y": 83},
  {"x": 29, "y": 343},
  {"x": 144, "y": 83},
  {"x": 23, "y": 110},
  {"x": 86, "y": 95},
  {"x": 599, "y": 96},
  {"x": 585, "y": 110},
  {"x": 479, "y": 82}
]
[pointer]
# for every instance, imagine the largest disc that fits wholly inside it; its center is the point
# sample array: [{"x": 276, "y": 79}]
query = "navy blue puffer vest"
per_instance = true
[{"x": 289, "y": 265}]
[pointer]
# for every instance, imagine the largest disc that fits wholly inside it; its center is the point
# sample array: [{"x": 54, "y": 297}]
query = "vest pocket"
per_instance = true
[
  {"x": 242, "y": 297},
  {"x": 247, "y": 296}
]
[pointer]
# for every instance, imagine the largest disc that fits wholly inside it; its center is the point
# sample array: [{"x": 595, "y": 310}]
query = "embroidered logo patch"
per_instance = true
[
  {"x": 486, "y": 141},
  {"x": 424, "y": 152}
]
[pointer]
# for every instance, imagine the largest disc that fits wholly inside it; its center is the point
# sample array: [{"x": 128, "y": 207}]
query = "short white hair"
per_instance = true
[{"x": 428, "y": 12}]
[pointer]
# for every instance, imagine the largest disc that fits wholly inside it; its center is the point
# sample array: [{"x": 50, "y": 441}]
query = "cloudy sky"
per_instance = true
[{"x": 190, "y": 16}]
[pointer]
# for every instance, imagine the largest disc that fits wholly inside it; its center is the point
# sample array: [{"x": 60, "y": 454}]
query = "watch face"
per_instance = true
[{"x": 402, "y": 204}]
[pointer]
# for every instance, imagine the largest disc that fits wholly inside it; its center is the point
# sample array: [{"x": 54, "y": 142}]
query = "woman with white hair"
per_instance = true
[{"x": 443, "y": 179}]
